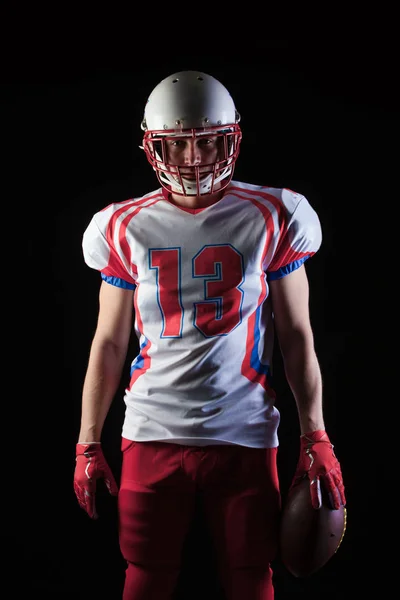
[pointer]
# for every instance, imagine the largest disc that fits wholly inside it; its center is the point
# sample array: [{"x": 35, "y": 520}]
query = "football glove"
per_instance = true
[
  {"x": 91, "y": 465},
  {"x": 318, "y": 462}
]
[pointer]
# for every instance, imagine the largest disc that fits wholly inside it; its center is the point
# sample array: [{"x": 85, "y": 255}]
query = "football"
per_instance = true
[{"x": 308, "y": 537}]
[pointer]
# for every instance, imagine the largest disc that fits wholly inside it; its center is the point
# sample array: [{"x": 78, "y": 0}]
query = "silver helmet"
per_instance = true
[{"x": 191, "y": 104}]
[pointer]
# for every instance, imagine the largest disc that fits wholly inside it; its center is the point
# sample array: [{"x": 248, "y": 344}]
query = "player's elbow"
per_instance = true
[{"x": 296, "y": 343}]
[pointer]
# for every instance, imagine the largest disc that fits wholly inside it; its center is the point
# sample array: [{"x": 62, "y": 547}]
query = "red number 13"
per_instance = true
[{"x": 221, "y": 268}]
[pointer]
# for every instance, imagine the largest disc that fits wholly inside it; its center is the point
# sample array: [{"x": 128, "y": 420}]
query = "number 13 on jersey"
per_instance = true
[{"x": 220, "y": 310}]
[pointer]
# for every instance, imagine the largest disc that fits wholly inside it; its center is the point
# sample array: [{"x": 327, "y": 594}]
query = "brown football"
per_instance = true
[{"x": 308, "y": 537}]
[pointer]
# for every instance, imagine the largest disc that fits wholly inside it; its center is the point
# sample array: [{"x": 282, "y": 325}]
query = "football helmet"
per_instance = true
[{"x": 191, "y": 104}]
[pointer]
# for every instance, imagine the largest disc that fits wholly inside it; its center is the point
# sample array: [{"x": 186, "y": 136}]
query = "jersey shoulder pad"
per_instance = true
[
  {"x": 301, "y": 234},
  {"x": 102, "y": 247}
]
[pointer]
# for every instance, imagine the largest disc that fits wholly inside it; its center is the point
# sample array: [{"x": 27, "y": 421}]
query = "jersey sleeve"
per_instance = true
[
  {"x": 104, "y": 251},
  {"x": 300, "y": 237}
]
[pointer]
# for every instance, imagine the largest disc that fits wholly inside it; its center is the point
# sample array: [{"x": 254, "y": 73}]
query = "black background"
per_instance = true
[{"x": 320, "y": 115}]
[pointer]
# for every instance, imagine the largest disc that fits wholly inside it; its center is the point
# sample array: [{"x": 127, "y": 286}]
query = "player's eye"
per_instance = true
[{"x": 177, "y": 143}]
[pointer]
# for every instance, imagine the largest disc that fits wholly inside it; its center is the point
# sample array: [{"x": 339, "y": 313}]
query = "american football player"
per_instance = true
[{"x": 206, "y": 269}]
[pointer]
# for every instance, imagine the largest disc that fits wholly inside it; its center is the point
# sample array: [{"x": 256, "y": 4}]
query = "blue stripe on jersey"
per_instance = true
[
  {"x": 139, "y": 360},
  {"x": 272, "y": 275},
  {"x": 255, "y": 362},
  {"x": 118, "y": 282}
]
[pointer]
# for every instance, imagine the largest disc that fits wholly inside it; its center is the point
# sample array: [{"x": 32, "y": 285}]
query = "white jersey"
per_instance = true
[{"x": 203, "y": 315}]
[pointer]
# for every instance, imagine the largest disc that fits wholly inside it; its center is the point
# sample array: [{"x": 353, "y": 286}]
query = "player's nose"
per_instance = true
[{"x": 192, "y": 154}]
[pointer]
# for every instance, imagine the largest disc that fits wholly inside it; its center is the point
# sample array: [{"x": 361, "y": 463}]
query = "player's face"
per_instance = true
[{"x": 191, "y": 152}]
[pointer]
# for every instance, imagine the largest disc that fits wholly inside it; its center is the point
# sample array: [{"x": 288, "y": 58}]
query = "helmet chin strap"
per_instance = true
[{"x": 190, "y": 186}]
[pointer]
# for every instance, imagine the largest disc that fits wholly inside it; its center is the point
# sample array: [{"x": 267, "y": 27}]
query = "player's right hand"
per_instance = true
[{"x": 91, "y": 465}]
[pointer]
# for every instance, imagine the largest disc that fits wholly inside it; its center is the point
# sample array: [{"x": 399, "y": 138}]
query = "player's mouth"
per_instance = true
[{"x": 191, "y": 175}]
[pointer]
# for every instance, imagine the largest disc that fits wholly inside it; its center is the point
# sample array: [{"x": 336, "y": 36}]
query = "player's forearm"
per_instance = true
[
  {"x": 304, "y": 378},
  {"x": 101, "y": 383}
]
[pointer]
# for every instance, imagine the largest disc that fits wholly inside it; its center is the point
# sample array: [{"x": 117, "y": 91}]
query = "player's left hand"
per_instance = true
[{"x": 318, "y": 462}]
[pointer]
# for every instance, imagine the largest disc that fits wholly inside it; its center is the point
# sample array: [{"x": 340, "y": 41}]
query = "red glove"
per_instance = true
[
  {"x": 90, "y": 466},
  {"x": 318, "y": 462}
]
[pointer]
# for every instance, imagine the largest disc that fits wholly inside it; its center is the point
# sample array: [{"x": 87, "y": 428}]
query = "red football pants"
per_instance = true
[{"x": 241, "y": 500}]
